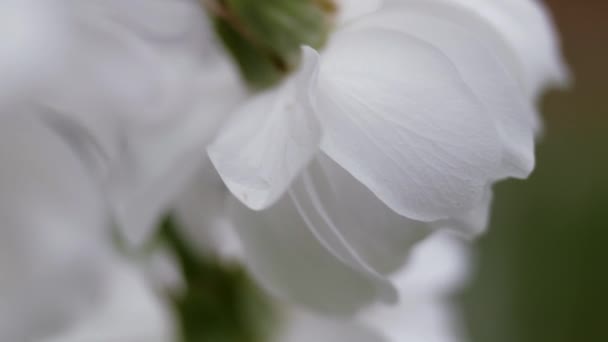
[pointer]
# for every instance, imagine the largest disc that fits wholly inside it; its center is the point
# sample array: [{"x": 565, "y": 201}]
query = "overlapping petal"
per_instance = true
[
  {"x": 289, "y": 260},
  {"x": 480, "y": 68},
  {"x": 269, "y": 140},
  {"x": 398, "y": 117},
  {"x": 353, "y": 221}
]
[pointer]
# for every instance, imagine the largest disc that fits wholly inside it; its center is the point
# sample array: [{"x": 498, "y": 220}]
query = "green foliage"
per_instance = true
[
  {"x": 265, "y": 37},
  {"x": 220, "y": 303}
]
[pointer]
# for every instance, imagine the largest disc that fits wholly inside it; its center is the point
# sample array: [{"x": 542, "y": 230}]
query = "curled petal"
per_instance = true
[{"x": 269, "y": 140}]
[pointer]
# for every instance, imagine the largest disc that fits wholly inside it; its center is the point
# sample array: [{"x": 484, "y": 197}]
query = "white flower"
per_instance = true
[
  {"x": 398, "y": 127},
  {"x": 137, "y": 88}
]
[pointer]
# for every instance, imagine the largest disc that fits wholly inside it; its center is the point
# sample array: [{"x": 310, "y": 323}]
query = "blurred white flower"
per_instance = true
[{"x": 137, "y": 88}]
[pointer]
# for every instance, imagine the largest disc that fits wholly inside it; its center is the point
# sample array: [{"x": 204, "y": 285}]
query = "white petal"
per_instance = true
[
  {"x": 397, "y": 116},
  {"x": 352, "y": 222},
  {"x": 526, "y": 25},
  {"x": 53, "y": 235},
  {"x": 269, "y": 140},
  {"x": 479, "y": 67},
  {"x": 289, "y": 261}
]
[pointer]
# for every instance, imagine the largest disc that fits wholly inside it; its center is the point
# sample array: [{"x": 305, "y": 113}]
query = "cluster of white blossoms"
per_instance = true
[{"x": 116, "y": 112}]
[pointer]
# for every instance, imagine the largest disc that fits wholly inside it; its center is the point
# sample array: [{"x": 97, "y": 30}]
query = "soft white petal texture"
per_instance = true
[
  {"x": 287, "y": 259},
  {"x": 269, "y": 139},
  {"x": 53, "y": 231},
  {"x": 437, "y": 269},
  {"x": 352, "y": 222},
  {"x": 479, "y": 67},
  {"x": 301, "y": 326},
  {"x": 527, "y": 27},
  {"x": 34, "y": 40},
  {"x": 130, "y": 312},
  {"x": 398, "y": 117}
]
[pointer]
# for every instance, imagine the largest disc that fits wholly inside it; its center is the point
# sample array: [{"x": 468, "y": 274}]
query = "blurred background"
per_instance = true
[{"x": 543, "y": 267}]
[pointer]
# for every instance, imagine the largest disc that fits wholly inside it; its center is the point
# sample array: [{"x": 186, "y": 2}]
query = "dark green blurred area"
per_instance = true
[{"x": 543, "y": 266}]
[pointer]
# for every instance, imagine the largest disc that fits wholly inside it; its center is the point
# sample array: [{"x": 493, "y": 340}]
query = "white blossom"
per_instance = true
[{"x": 399, "y": 126}]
